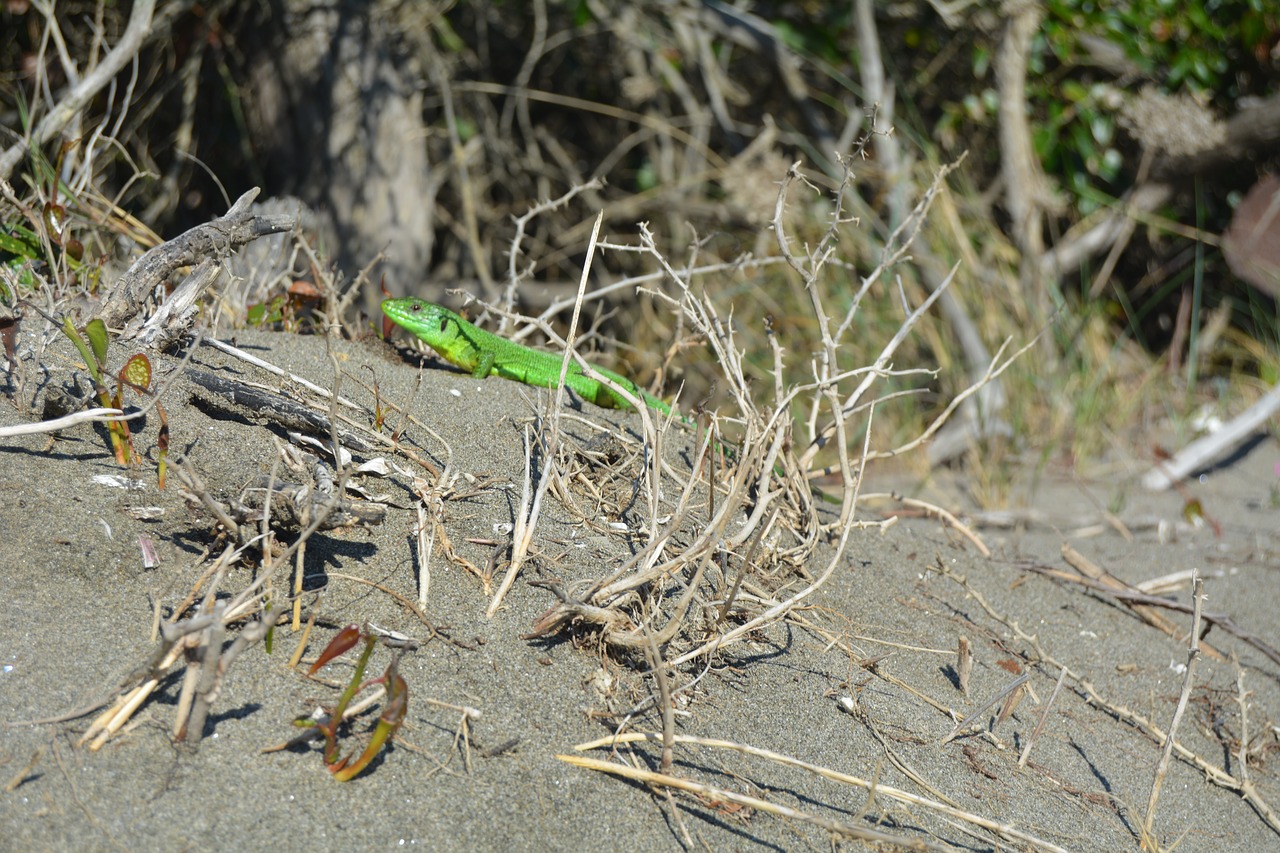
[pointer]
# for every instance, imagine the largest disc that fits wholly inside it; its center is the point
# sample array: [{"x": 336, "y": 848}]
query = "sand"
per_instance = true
[{"x": 75, "y": 616}]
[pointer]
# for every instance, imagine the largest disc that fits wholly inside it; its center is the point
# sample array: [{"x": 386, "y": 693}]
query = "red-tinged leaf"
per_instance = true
[
  {"x": 343, "y": 642},
  {"x": 136, "y": 373},
  {"x": 55, "y": 219},
  {"x": 9, "y": 335},
  {"x": 163, "y": 440},
  {"x": 388, "y": 724},
  {"x": 304, "y": 289},
  {"x": 1010, "y": 666},
  {"x": 162, "y": 460},
  {"x": 398, "y": 703},
  {"x": 387, "y": 325}
]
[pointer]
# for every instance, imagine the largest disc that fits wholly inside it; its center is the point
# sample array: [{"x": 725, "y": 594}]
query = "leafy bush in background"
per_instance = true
[{"x": 1089, "y": 52}]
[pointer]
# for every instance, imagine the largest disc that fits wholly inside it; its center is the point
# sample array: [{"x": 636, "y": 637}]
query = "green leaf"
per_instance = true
[
  {"x": 98, "y": 339},
  {"x": 389, "y": 721},
  {"x": 789, "y": 35},
  {"x": 271, "y": 311},
  {"x": 466, "y": 129},
  {"x": 582, "y": 14},
  {"x": 646, "y": 177},
  {"x": 449, "y": 38},
  {"x": 70, "y": 331},
  {"x": 1074, "y": 91},
  {"x": 22, "y": 242},
  {"x": 1112, "y": 160},
  {"x": 981, "y": 62}
]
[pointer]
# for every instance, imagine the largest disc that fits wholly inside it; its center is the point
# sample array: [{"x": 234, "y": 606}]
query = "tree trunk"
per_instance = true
[{"x": 335, "y": 106}]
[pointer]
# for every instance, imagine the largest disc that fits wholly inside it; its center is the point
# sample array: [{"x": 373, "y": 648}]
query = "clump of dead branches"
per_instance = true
[{"x": 718, "y": 541}]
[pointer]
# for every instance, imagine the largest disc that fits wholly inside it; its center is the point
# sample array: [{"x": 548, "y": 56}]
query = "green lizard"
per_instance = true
[{"x": 485, "y": 354}]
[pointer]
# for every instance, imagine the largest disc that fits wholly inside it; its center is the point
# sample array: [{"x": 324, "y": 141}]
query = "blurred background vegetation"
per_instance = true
[{"x": 1104, "y": 150}]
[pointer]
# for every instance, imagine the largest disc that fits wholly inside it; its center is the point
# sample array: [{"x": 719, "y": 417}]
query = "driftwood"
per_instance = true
[
  {"x": 1132, "y": 597},
  {"x": 263, "y": 405},
  {"x": 210, "y": 241},
  {"x": 1203, "y": 451}
]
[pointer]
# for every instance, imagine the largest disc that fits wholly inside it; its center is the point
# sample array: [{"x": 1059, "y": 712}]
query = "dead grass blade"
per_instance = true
[
  {"x": 721, "y": 795},
  {"x": 1193, "y": 654},
  {"x": 527, "y": 516},
  {"x": 1004, "y": 831}
]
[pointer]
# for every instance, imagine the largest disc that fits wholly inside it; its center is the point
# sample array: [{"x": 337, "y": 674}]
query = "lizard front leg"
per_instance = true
[{"x": 484, "y": 365}]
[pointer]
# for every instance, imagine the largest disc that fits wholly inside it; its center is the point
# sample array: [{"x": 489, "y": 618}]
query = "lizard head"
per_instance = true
[{"x": 434, "y": 324}]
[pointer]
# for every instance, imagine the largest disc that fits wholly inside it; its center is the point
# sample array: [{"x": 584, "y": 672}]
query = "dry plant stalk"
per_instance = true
[
  {"x": 527, "y": 516},
  {"x": 1044, "y": 718},
  {"x": 200, "y": 638},
  {"x": 1010, "y": 695},
  {"x": 964, "y": 664},
  {"x": 873, "y": 787},
  {"x": 1193, "y": 655},
  {"x": 838, "y": 829},
  {"x": 1151, "y": 615},
  {"x": 92, "y": 82}
]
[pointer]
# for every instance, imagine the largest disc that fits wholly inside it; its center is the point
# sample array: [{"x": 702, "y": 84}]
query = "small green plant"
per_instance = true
[
  {"x": 23, "y": 253},
  {"x": 39, "y": 238},
  {"x": 394, "y": 709},
  {"x": 135, "y": 374},
  {"x": 94, "y": 353},
  {"x": 267, "y": 313},
  {"x": 19, "y": 252}
]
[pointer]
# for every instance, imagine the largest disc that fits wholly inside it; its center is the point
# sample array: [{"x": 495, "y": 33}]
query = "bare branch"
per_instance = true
[{"x": 135, "y": 33}]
